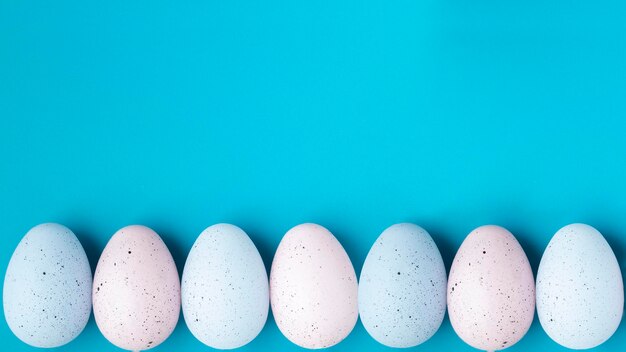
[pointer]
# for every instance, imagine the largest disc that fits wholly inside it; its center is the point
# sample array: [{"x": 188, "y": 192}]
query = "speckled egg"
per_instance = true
[
  {"x": 491, "y": 291},
  {"x": 313, "y": 288},
  {"x": 136, "y": 290},
  {"x": 402, "y": 288},
  {"x": 47, "y": 287},
  {"x": 225, "y": 291},
  {"x": 580, "y": 293}
]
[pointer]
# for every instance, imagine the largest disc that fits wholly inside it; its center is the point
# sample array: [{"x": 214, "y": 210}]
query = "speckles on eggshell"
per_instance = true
[
  {"x": 491, "y": 291},
  {"x": 225, "y": 290},
  {"x": 402, "y": 289},
  {"x": 580, "y": 293},
  {"x": 47, "y": 287},
  {"x": 136, "y": 296},
  {"x": 313, "y": 288}
]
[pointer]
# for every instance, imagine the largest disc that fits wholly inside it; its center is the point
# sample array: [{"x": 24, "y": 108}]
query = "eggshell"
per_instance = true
[
  {"x": 313, "y": 288},
  {"x": 136, "y": 292},
  {"x": 491, "y": 292},
  {"x": 402, "y": 288},
  {"x": 47, "y": 287},
  {"x": 225, "y": 291},
  {"x": 580, "y": 293}
]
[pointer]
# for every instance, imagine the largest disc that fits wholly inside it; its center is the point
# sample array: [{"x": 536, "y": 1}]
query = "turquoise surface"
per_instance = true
[{"x": 352, "y": 114}]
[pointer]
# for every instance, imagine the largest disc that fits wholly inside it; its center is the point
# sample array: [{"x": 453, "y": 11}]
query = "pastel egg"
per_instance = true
[
  {"x": 225, "y": 290},
  {"x": 402, "y": 288},
  {"x": 313, "y": 288},
  {"x": 491, "y": 291},
  {"x": 580, "y": 293},
  {"x": 47, "y": 287},
  {"x": 136, "y": 290}
]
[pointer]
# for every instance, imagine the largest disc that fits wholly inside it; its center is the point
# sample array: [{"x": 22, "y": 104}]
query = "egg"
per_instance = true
[
  {"x": 225, "y": 290},
  {"x": 491, "y": 291},
  {"x": 136, "y": 290},
  {"x": 47, "y": 287},
  {"x": 313, "y": 288},
  {"x": 402, "y": 288},
  {"x": 580, "y": 293}
]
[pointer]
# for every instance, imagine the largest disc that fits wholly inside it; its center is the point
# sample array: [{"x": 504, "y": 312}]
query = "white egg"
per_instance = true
[
  {"x": 580, "y": 293},
  {"x": 136, "y": 292},
  {"x": 402, "y": 289},
  {"x": 313, "y": 288},
  {"x": 225, "y": 290},
  {"x": 491, "y": 290},
  {"x": 47, "y": 287}
]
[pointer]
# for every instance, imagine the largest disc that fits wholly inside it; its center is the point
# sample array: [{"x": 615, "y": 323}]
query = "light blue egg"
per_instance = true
[
  {"x": 402, "y": 289},
  {"x": 224, "y": 290},
  {"x": 47, "y": 287},
  {"x": 580, "y": 292}
]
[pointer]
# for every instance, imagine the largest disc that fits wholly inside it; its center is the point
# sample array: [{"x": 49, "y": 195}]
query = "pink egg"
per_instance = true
[
  {"x": 313, "y": 288},
  {"x": 136, "y": 290},
  {"x": 491, "y": 290}
]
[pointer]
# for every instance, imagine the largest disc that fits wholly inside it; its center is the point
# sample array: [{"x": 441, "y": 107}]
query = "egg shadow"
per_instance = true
[
  {"x": 442, "y": 238},
  {"x": 259, "y": 238},
  {"x": 617, "y": 243},
  {"x": 171, "y": 238},
  {"x": 87, "y": 236},
  {"x": 351, "y": 241},
  {"x": 533, "y": 251}
]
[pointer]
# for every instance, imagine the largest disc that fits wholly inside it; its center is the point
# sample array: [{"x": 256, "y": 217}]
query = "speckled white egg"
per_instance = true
[
  {"x": 580, "y": 293},
  {"x": 313, "y": 288},
  {"x": 136, "y": 290},
  {"x": 402, "y": 288},
  {"x": 491, "y": 290},
  {"x": 225, "y": 290},
  {"x": 47, "y": 287}
]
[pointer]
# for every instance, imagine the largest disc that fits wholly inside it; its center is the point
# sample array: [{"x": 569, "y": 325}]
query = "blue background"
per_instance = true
[{"x": 352, "y": 114}]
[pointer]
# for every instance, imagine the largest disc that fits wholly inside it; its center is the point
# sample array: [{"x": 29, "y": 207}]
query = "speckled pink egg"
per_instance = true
[
  {"x": 136, "y": 290},
  {"x": 313, "y": 288},
  {"x": 491, "y": 290}
]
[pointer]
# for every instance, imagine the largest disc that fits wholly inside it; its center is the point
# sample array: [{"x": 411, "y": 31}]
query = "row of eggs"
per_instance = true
[{"x": 401, "y": 297}]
